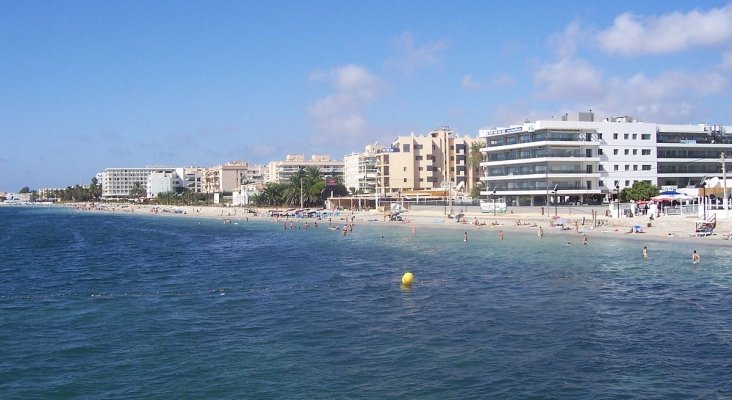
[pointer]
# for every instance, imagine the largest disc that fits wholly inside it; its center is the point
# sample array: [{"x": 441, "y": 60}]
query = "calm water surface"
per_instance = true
[{"x": 98, "y": 306}]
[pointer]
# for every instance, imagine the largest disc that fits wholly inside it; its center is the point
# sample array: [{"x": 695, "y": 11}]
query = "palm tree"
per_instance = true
[
  {"x": 475, "y": 157},
  {"x": 138, "y": 190}
]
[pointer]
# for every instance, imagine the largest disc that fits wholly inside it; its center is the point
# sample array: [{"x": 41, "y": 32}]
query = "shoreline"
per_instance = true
[{"x": 663, "y": 229}]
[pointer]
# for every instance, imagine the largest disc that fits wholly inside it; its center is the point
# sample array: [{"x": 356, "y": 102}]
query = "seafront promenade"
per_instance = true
[{"x": 575, "y": 220}]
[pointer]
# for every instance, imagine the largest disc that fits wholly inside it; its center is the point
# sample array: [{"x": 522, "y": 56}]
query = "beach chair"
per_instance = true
[{"x": 703, "y": 231}]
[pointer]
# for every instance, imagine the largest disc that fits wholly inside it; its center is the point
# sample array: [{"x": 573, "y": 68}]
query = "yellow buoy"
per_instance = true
[{"x": 407, "y": 279}]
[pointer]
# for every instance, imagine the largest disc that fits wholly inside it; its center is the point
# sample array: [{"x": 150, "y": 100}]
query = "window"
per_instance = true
[
  {"x": 599, "y": 152},
  {"x": 421, "y": 168},
  {"x": 418, "y": 147},
  {"x": 615, "y": 135},
  {"x": 405, "y": 180},
  {"x": 588, "y": 152},
  {"x": 404, "y": 169},
  {"x": 405, "y": 148},
  {"x": 646, "y": 152},
  {"x": 600, "y": 167},
  {"x": 615, "y": 167},
  {"x": 615, "y": 152},
  {"x": 599, "y": 136},
  {"x": 627, "y": 152},
  {"x": 617, "y": 184},
  {"x": 646, "y": 167},
  {"x": 418, "y": 158},
  {"x": 627, "y": 167},
  {"x": 635, "y": 136},
  {"x": 627, "y": 183},
  {"x": 625, "y": 136},
  {"x": 635, "y": 152},
  {"x": 601, "y": 183},
  {"x": 645, "y": 136},
  {"x": 635, "y": 167}
]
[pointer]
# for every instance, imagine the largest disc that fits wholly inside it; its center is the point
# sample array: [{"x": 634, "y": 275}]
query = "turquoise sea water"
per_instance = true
[{"x": 103, "y": 306}]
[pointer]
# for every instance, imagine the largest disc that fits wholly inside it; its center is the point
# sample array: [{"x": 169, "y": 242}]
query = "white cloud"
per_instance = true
[
  {"x": 631, "y": 34},
  {"x": 341, "y": 112},
  {"x": 726, "y": 64},
  {"x": 574, "y": 78},
  {"x": 565, "y": 43},
  {"x": 469, "y": 83},
  {"x": 411, "y": 57},
  {"x": 666, "y": 97}
]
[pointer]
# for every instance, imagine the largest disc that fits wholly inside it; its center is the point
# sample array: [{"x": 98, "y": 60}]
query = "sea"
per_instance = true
[{"x": 98, "y": 305}]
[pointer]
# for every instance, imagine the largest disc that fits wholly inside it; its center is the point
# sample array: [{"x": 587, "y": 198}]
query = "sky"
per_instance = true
[{"x": 89, "y": 85}]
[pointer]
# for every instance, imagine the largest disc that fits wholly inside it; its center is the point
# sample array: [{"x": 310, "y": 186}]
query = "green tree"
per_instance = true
[
  {"x": 475, "y": 157},
  {"x": 138, "y": 190},
  {"x": 475, "y": 191},
  {"x": 25, "y": 189},
  {"x": 641, "y": 190},
  {"x": 95, "y": 189}
]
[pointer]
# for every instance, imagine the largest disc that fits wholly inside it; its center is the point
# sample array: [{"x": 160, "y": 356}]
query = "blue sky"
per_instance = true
[{"x": 86, "y": 85}]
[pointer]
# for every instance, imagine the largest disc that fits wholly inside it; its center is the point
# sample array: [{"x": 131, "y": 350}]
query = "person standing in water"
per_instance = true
[
  {"x": 695, "y": 257},
  {"x": 465, "y": 239},
  {"x": 645, "y": 252}
]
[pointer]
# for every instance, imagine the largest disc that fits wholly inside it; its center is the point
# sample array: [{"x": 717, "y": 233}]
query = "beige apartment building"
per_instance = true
[
  {"x": 230, "y": 176},
  {"x": 427, "y": 165}
]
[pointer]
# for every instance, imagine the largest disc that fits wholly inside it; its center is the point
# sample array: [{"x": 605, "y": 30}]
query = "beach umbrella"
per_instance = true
[
  {"x": 562, "y": 221},
  {"x": 671, "y": 195}
]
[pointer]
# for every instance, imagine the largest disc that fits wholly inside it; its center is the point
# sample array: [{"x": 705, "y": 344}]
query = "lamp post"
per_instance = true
[
  {"x": 494, "y": 200},
  {"x": 554, "y": 193},
  {"x": 617, "y": 198},
  {"x": 704, "y": 197},
  {"x": 301, "y": 202},
  {"x": 376, "y": 192}
]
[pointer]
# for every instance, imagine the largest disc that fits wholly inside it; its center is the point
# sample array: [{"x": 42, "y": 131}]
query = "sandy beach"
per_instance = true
[{"x": 664, "y": 228}]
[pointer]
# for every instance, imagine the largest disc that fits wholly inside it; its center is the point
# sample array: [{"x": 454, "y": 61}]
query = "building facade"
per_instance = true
[
  {"x": 118, "y": 182},
  {"x": 578, "y": 159},
  {"x": 228, "y": 177},
  {"x": 360, "y": 169},
  {"x": 427, "y": 164},
  {"x": 283, "y": 171},
  {"x": 163, "y": 182}
]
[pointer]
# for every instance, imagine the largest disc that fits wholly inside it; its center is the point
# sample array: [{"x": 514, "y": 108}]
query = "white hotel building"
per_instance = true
[
  {"x": 117, "y": 182},
  {"x": 587, "y": 160}
]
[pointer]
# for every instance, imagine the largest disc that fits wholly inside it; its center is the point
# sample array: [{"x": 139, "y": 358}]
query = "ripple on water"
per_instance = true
[{"x": 98, "y": 305}]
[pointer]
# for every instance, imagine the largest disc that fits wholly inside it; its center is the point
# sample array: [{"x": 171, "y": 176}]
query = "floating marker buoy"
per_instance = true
[{"x": 407, "y": 279}]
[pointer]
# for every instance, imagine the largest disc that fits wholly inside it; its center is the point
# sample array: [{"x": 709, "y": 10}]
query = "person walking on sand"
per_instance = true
[
  {"x": 645, "y": 252},
  {"x": 695, "y": 257}
]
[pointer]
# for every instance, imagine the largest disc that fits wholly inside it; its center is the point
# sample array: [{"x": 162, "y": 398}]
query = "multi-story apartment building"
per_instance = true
[
  {"x": 192, "y": 178},
  {"x": 360, "y": 169},
  {"x": 227, "y": 177},
  {"x": 283, "y": 171},
  {"x": 438, "y": 160},
  {"x": 578, "y": 159},
  {"x": 162, "y": 182},
  {"x": 118, "y": 182}
]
